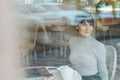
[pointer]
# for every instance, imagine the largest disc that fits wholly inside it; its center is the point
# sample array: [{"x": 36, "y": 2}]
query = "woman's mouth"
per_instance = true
[{"x": 86, "y": 32}]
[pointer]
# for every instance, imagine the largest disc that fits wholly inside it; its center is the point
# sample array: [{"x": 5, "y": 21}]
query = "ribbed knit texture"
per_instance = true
[{"x": 88, "y": 56}]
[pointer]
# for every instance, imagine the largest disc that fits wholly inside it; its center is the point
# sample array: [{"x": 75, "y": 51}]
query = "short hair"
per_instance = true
[{"x": 82, "y": 18}]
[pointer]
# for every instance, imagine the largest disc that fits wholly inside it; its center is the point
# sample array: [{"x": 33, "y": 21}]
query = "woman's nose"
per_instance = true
[{"x": 87, "y": 28}]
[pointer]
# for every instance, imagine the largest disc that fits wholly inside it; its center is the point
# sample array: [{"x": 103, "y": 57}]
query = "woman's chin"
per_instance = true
[{"x": 85, "y": 35}]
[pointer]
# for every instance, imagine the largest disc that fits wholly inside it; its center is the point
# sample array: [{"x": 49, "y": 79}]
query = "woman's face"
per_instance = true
[{"x": 84, "y": 29}]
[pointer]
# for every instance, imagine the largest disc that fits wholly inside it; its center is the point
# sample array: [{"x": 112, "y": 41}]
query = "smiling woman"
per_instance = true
[
  {"x": 84, "y": 28},
  {"x": 87, "y": 56}
]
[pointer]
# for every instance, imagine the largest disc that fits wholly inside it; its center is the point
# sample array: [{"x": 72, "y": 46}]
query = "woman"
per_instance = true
[{"x": 88, "y": 56}]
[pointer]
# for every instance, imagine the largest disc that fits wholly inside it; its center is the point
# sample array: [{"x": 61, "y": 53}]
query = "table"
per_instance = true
[{"x": 34, "y": 76}]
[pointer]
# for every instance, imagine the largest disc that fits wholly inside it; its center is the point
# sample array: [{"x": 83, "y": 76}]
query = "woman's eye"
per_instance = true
[
  {"x": 82, "y": 24},
  {"x": 86, "y": 24}
]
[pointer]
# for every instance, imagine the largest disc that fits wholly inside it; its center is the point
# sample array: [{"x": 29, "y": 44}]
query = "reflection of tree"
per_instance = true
[
  {"x": 102, "y": 4},
  {"x": 106, "y": 3}
]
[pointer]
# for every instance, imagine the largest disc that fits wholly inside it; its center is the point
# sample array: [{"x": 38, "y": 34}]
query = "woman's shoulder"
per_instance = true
[
  {"x": 99, "y": 46},
  {"x": 97, "y": 43}
]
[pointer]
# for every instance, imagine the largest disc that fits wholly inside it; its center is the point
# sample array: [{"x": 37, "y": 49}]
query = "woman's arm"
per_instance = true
[{"x": 101, "y": 60}]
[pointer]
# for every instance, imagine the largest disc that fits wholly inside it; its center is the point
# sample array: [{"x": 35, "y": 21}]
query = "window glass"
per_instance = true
[{"x": 55, "y": 21}]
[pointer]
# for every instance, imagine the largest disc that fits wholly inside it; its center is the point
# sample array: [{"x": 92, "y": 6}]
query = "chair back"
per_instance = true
[{"x": 111, "y": 61}]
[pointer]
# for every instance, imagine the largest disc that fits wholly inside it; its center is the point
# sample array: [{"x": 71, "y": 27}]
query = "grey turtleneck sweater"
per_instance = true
[{"x": 88, "y": 56}]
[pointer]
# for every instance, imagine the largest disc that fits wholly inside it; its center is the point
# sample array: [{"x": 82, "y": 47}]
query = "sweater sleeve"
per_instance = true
[{"x": 101, "y": 62}]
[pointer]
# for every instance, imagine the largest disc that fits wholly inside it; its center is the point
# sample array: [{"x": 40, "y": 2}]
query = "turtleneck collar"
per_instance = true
[{"x": 84, "y": 38}]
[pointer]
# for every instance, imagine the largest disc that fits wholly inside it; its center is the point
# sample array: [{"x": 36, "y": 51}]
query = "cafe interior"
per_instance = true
[{"x": 41, "y": 23}]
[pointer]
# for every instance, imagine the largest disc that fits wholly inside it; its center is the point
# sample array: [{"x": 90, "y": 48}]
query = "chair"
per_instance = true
[
  {"x": 118, "y": 44},
  {"x": 27, "y": 45},
  {"x": 26, "y": 37},
  {"x": 111, "y": 61}
]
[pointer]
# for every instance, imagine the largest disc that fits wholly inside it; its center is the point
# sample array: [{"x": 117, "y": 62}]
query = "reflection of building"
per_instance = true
[{"x": 51, "y": 14}]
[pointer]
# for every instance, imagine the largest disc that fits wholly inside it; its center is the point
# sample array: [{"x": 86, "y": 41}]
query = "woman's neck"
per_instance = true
[{"x": 84, "y": 38}]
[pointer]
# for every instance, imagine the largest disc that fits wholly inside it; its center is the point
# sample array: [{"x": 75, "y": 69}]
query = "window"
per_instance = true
[{"x": 38, "y": 1}]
